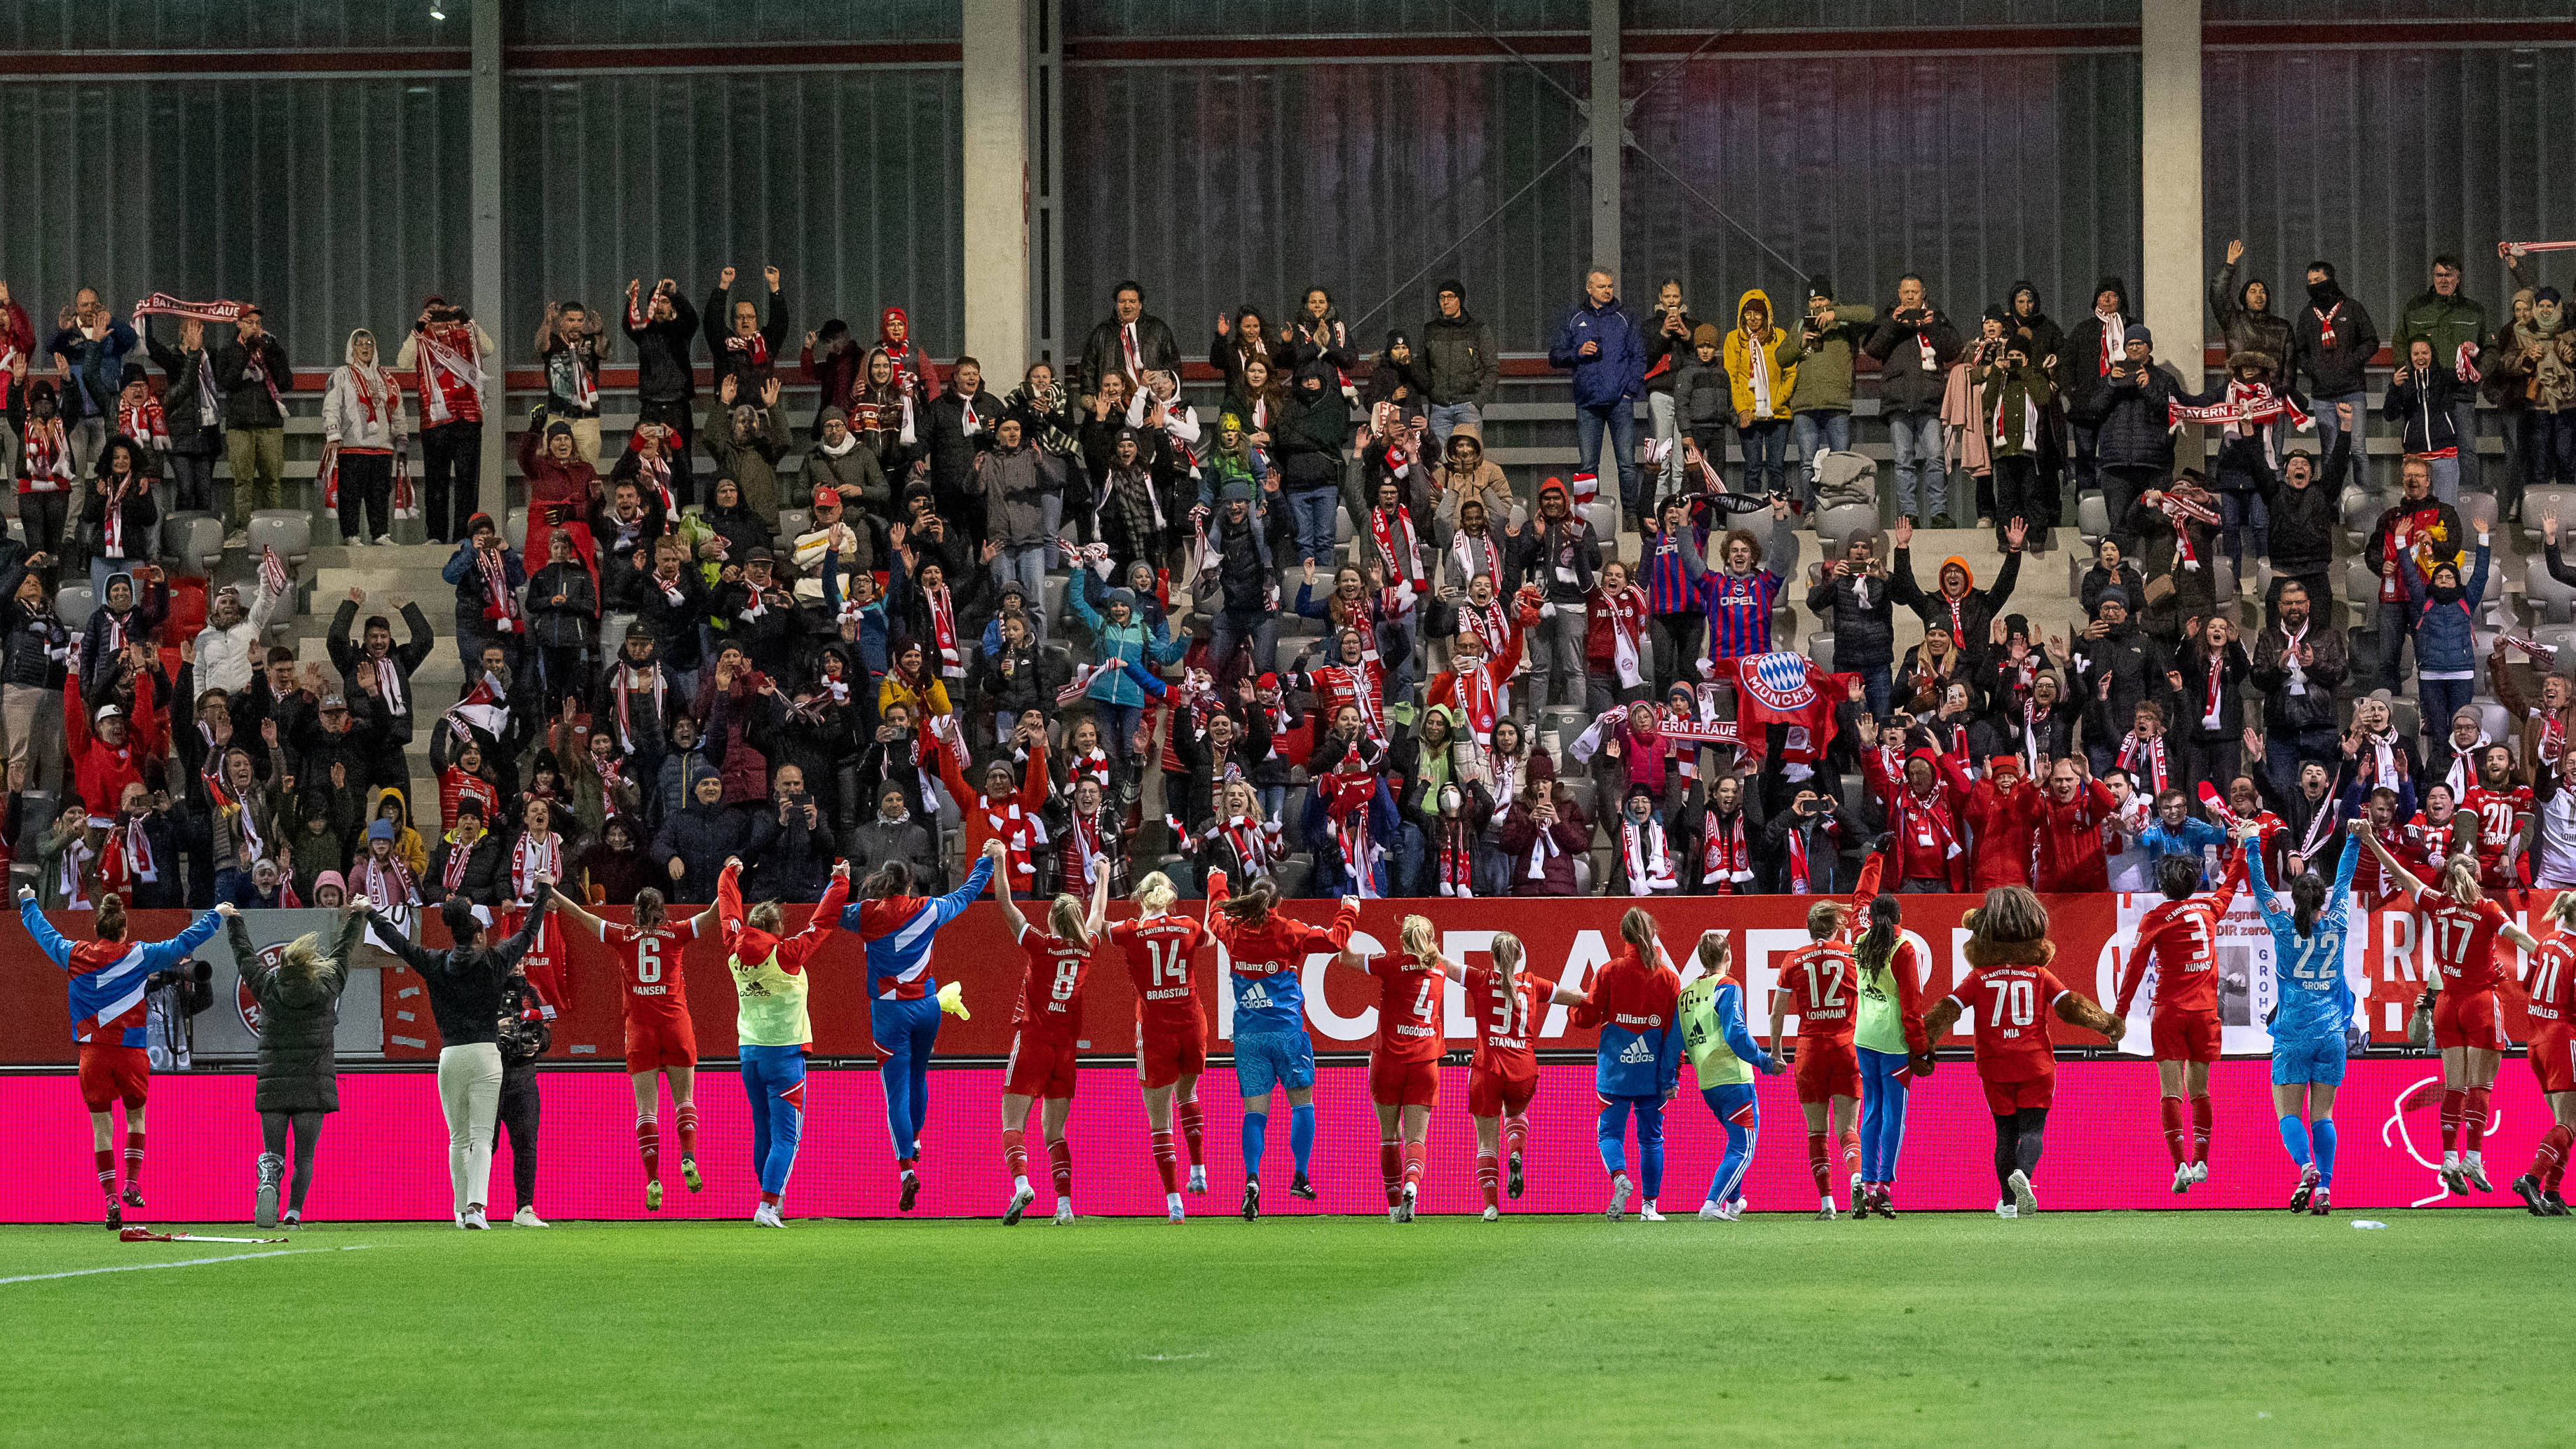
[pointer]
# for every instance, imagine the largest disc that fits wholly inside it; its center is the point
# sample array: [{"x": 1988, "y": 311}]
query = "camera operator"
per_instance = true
[{"x": 171, "y": 998}]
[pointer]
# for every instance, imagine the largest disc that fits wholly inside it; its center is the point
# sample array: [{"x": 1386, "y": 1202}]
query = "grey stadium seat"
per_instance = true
[
  {"x": 194, "y": 541},
  {"x": 2092, "y": 518},
  {"x": 288, "y": 531},
  {"x": 74, "y": 603}
]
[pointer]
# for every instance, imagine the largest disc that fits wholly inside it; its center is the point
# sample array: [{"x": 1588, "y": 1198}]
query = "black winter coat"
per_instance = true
[
  {"x": 1903, "y": 382},
  {"x": 2129, "y": 412},
  {"x": 1864, "y": 620},
  {"x": 299, "y": 1020}
]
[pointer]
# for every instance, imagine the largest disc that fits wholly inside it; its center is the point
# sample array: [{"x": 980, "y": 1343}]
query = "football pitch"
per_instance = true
[{"x": 2182, "y": 1328}]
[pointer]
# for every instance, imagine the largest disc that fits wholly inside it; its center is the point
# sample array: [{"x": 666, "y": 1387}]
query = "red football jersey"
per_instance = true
[
  {"x": 2464, "y": 939},
  {"x": 2496, "y": 812},
  {"x": 2427, "y": 843},
  {"x": 2183, "y": 936},
  {"x": 1819, "y": 982},
  {"x": 1505, "y": 1022},
  {"x": 1158, "y": 950},
  {"x": 1408, "y": 1008},
  {"x": 648, "y": 963},
  {"x": 2010, "y": 1007},
  {"x": 1051, "y": 1000},
  {"x": 2552, "y": 982}
]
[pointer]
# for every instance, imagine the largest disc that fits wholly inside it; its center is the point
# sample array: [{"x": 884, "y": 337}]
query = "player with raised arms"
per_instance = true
[
  {"x": 660, "y": 1041},
  {"x": 904, "y": 1000},
  {"x": 1723, "y": 1055},
  {"x": 2551, "y": 985},
  {"x": 108, "y": 985},
  {"x": 1171, "y": 1029},
  {"x": 1044, "y": 1030},
  {"x": 2180, "y": 934},
  {"x": 1504, "y": 1001},
  {"x": 1633, "y": 1001},
  {"x": 770, "y": 1021},
  {"x": 1820, "y": 979},
  {"x": 2312, "y": 1015},
  {"x": 2468, "y": 1017},
  {"x": 1267, "y": 954},
  {"x": 2011, "y": 987},
  {"x": 1404, "y": 1060}
]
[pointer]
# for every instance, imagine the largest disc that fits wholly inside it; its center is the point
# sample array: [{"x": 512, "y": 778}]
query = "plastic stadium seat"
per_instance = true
[
  {"x": 1603, "y": 514},
  {"x": 514, "y": 529},
  {"x": 74, "y": 603},
  {"x": 792, "y": 522},
  {"x": 2361, "y": 589},
  {"x": 2541, "y": 503},
  {"x": 193, "y": 541},
  {"x": 2092, "y": 518},
  {"x": 2361, "y": 510},
  {"x": 1836, "y": 526},
  {"x": 2477, "y": 510},
  {"x": 2559, "y": 636},
  {"x": 287, "y": 530},
  {"x": 1820, "y": 648}
]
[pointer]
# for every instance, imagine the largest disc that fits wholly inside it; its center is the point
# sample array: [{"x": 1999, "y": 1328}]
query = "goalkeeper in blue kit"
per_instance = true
[{"x": 2312, "y": 1018}]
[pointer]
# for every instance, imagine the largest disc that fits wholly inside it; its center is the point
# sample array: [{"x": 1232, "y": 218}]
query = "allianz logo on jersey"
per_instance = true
[{"x": 1636, "y": 1054}]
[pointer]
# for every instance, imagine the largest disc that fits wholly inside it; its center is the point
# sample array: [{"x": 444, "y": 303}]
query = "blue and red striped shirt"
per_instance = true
[{"x": 1739, "y": 612}]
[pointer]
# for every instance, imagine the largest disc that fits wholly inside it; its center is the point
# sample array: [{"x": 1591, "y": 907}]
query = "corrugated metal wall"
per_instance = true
[
  {"x": 2375, "y": 160},
  {"x": 1215, "y": 19},
  {"x": 1871, "y": 14},
  {"x": 1975, "y": 171},
  {"x": 336, "y": 204},
  {"x": 1220, "y": 186},
  {"x": 714, "y": 22},
  {"x": 846, "y": 180},
  {"x": 74, "y": 25}
]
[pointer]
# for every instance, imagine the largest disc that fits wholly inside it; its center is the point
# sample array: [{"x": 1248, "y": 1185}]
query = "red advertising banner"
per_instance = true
[{"x": 1565, "y": 940}]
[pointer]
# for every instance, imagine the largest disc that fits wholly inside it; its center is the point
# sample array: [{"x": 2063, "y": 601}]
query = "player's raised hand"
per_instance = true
[
  {"x": 26, "y": 893},
  {"x": 996, "y": 851},
  {"x": 840, "y": 870}
]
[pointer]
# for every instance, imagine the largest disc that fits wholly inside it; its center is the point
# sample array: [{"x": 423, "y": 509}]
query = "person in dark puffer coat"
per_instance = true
[{"x": 298, "y": 992}]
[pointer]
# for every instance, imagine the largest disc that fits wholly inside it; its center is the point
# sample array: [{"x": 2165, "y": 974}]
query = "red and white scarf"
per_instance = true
[
  {"x": 1015, "y": 830},
  {"x": 1249, "y": 839},
  {"x": 585, "y": 388},
  {"x": 1399, "y": 545},
  {"x": 441, "y": 365},
  {"x": 2181, "y": 513},
  {"x": 460, "y": 853},
  {"x": 388, "y": 884},
  {"x": 1800, "y": 882},
  {"x": 2326, "y": 322},
  {"x": 2216, "y": 696},
  {"x": 1086, "y": 847},
  {"x": 47, "y": 465},
  {"x": 71, "y": 878},
  {"x": 1463, "y": 548},
  {"x": 653, "y": 472},
  {"x": 1092, "y": 765},
  {"x": 532, "y": 856},
  {"x": 135, "y": 846},
  {"x": 1480, "y": 699},
  {"x": 631, "y": 682},
  {"x": 1453, "y": 856},
  {"x": 1925, "y": 824},
  {"x": 1760, "y": 371},
  {"x": 1491, "y": 624},
  {"x": 1627, "y": 620},
  {"x": 1641, "y": 849},
  {"x": 753, "y": 351},
  {"x": 2463, "y": 774},
  {"x": 111, "y": 517},
  {"x": 1356, "y": 685},
  {"x": 501, "y": 609},
  {"x": 1346, "y": 796},
  {"x": 143, "y": 423},
  {"x": 2145, "y": 762},
  {"x": 2247, "y": 405},
  {"x": 1725, "y": 857},
  {"x": 943, "y": 631}
]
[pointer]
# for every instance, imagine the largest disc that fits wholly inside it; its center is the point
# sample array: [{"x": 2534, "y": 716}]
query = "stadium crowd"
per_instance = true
[{"x": 1012, "y": 609}]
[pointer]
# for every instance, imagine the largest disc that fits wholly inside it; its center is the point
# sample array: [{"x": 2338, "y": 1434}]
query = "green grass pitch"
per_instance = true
[{"x": 2113, "y": 1328}]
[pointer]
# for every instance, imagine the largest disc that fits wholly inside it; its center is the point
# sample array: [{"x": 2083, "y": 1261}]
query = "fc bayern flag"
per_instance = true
[{"x": 1785, "y": 687}]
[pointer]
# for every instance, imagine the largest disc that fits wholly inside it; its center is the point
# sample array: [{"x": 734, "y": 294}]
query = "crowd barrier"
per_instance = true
[
  {"x": 388, "y": 1017},
  {"x": 384, "y": 1155}
]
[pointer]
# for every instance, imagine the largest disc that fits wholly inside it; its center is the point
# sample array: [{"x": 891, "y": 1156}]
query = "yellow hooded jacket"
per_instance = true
[{"x": 1780, "y": 353}]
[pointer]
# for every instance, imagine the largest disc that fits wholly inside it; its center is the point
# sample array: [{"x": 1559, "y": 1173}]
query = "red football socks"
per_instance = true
[
  {"x": 1515, "y": 1136},
  {"x": 1390, "y": 1167},
  {"x": 2454, "y": 1106},
  {"x": 686, "y": 1120},
  {"x": 1414, "y": 1152},
  {"x": 2549, "y": 1159},
  {"x": 1163, "y": 1159},
  {"x": 134, "y": 1157},
  {"x": 2473, "y": 1121},
  {"x": 1015, "y": 1153},
  {"x": 1489, "y": 1177},
  {"x": 1851, "y": 1150},
  {"x": 1060, "y": 1162},
  {"x": 1193, "y": 1132},
  {"x": 2201, "y": 1117},
  {"x": 648, "y": 1142},
  {"x": 107, "y": 1173},
  {"x": 1819, "y": 1162},
  {"x": 2177, "y": 1137}
]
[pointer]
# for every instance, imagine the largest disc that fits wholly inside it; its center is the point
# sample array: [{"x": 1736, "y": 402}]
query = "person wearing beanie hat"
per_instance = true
[
  {"x": 1956, "y": 604},
  {"x": 1605, "y": 350},
  {"x": 1914, "y": 345},
  {"x": 139, "y": 416},
  {"x": 1820, "y": 398},
  {"x": 560, "y": 483},
  {"x": 1557, "y": 553},
  {"x": 2017, "y": 396},
  {"x": 2009, "y": 956},
  {"x": 251, "y": 368},
  {"x": 487, "y": 575},
  {"x": 1459, "y": 367},
  {"x": 1672, "y": 334},
  {"x": 572, "y": 345},
  {"x": 364, "y": 427}
]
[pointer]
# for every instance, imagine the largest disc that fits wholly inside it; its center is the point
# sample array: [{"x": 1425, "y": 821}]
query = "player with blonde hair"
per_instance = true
[
  {"x": 1171, "y": 1028},
  {"x": 1045, "y": 1030},
  {"x": 1504, "y": 1000}
]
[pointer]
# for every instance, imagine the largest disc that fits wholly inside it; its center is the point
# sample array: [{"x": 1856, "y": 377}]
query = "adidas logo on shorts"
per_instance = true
[{"x": 1636, "y": 1053}]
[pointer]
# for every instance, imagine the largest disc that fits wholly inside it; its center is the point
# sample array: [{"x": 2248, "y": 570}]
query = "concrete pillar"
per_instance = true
[
  {"x": 1046, "y": 190},
  {"x": 1609, "y": 127},
  {"x": 996, "y": 104},
  {"x": 2169, "y": 113},
  {"x": 485, "y": 165}
]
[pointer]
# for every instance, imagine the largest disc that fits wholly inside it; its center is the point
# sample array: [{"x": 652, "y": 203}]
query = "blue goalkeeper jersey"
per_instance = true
[{"x": 2314, "y": 1002}]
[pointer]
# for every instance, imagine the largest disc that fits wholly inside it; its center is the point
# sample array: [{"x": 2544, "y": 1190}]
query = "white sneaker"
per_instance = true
[
  {"x": 1825, "y": 1212},
  {"x": 2023, "y": 1197},
  {"x": 2199, "y": 1172},
  {"x": 1198, "y": 1179},
  {"x": 765, "y": 1216},
  {"x": 526, "y": 1217},
  {"x": 1021, "y": 1197},
  {"x": 1619, "y": 1190},
  {"x": 2005, "y": 1209},
  {"x": 1063, "y": 1214},
  {"x": 2182, "y": 1178},
  {"x": 1648, "y": 1212},
  {"x": 1172, "y": 1206},
  {"x": 1732, "y": 1211},
  {"x": 1710, "y": 1212},
  {"x": 2474, "y": 1167},
  {"x": 1405, "y": 1207},
  {"x": 1492, "y": 1214},
  {"x": 351, "y": 540},
  {"x": 473, "y": 1219},
  {"x": 384, "y": 540}
]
